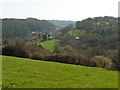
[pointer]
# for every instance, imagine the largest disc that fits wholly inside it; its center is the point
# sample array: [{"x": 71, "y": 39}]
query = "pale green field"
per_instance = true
[
  {"x": 78, "y": 32},
  {"x": 27, "y": 73},
  {"x": 50, "y": 44}
]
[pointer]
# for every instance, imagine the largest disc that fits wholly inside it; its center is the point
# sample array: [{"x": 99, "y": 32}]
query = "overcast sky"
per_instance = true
[{"x": 58, "y": 9}]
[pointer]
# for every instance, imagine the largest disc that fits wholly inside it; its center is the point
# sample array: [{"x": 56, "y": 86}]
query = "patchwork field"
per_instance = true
[{"x": 28, "y": 73}]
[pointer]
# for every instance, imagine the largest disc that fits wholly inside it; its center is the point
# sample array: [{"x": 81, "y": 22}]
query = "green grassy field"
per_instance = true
[
  {"x": 27, "y": 73},
  {"x": 0, "y": 72},
  {"x": 50, "y": 44},
  {"x": 78, "y": 32}
]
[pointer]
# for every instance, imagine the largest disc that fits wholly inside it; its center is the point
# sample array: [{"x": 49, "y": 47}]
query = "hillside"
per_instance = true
[
  {"x": 12, "y": 28},
  {"x": 96, "y": 36},
  {"x": 50, "y": 44},
  {"x": 78, "y": 32},
  {"x": 99, "y": 25},
  {"x": 27, "y": 73},
  {"x": 62, "y": 23}
]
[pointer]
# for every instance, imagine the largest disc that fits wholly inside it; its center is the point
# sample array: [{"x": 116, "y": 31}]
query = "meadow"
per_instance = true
[
  {"x": 28, "y": 73},
  {"x": 78, "y": 32},
  {"x": 50, "y": 44}
]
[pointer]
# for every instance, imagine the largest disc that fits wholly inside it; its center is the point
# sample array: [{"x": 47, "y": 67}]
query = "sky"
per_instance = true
[{"x": 58, "y": 9}]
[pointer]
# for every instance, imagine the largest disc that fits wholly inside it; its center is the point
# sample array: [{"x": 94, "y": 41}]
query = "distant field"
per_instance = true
[
  {"x": 27, "y": 73},
  {"x": 50, "y": 44},
  {"x": 78, "y": 32}
]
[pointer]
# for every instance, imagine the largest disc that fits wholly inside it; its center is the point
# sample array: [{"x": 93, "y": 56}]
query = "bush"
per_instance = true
[
  {"x": 104, "y": 62},
  {"x": 113, "y": 55}
]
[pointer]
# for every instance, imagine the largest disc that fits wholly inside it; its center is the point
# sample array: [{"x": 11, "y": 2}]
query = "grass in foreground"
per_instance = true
[
  {"x": 0, "y": 72},
  {"x": 27, "y": 73},
  {"x": 50, "y": 44}
]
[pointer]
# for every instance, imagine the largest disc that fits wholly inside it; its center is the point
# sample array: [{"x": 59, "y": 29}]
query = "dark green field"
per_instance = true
[{"x": 27, "y": 73}]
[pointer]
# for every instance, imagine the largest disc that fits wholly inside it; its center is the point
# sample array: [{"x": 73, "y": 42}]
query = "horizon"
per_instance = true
[
  {"x": 59, "y": 19},
  {"x": 73, "y": 10}
]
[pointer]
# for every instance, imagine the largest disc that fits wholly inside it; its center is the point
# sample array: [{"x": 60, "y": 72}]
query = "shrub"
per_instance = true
[
  {"x": 10, "y": 51},
  {"x": 0, "y": 50},
  {"x": 114, "y": 56},
  {"x": 104, "y": 62}
]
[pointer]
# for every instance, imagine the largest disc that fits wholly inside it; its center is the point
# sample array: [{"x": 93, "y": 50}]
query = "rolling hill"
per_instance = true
[
  {"x": 27, "y": 73},
  {"x": 62, "y": 23},
  {"x": 12, "y": 28}
]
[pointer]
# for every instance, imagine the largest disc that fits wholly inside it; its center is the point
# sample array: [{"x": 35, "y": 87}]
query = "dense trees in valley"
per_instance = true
[
  {"x": 102, "y": 32},
  {"x": 101, "y": 40}
]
